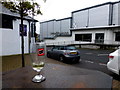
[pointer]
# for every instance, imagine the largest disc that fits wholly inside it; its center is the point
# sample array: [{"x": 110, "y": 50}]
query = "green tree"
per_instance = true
[{"x": 23, "y": 8}]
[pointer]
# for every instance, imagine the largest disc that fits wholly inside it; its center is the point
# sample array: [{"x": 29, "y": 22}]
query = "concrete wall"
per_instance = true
[
  {"x": 109, "y": 35},
  {"x": 11, "y": 39},
  {"x": 59, "y": 40}
]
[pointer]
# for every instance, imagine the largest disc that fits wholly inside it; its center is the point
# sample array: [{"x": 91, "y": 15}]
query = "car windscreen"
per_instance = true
[{"x": 70, "y": 48}]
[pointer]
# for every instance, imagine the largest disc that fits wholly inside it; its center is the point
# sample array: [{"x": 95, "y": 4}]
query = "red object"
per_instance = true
[
  {"x": 41, "y": 52},
  {"x": 111, "y": 57}
]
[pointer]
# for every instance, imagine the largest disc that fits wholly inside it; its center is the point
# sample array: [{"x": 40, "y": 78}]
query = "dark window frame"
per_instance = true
[
  {"x": 83, "y": 37},
  {"x": 7, "y": 21},
  {"x": 117, "y": 36}
]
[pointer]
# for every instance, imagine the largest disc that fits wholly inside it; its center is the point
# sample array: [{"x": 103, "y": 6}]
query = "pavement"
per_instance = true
[{"x": 91, "y": 78}]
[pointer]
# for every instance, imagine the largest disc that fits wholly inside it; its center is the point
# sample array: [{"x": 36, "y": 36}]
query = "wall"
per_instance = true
[
  {"x": 54, "y": 27},
  {"x": 115, "y": 14},
  {"x": 91, "y": 17},
  {"x": 99, "y": 16},
  {"x": 109, "y": 37},
  {"x": 59, "y": 40},
  {"x": 11, "y": 39},
  {"x": 80, "y": 19}
]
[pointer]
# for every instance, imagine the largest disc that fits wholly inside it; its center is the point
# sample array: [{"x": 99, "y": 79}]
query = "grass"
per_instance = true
[{"x": 13, "y": 62}]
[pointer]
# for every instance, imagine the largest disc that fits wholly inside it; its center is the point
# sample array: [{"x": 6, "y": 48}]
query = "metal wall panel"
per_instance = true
[
  {"x": 45, "y": 29},
  {"x": 57, "y": 26},
  {"x": 50, "y": 28},
  {"x": 41, "y": 31},
  {"x": 115, "y": 14},
  {"x": 119, "y": 13},
  {"x": 65, "y": 25},
  {"x": 99, "y": 16},
  {"x": 80, "y": 19}
]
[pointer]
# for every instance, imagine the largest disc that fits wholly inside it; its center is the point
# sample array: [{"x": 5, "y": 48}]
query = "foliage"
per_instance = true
[{"x": 26, "y": 7}]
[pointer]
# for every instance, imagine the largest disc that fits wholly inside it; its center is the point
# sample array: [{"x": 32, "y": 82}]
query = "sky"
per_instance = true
[{"x": 58, "y": 9}]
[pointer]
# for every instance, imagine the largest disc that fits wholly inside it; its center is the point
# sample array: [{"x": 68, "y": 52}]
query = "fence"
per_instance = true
[{"x": 101, "y": 42}]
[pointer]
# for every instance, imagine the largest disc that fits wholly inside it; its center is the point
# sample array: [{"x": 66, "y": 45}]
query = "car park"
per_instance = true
[
  {"x": 64, "y": 53},
  {"x": 114, "y": 62}
]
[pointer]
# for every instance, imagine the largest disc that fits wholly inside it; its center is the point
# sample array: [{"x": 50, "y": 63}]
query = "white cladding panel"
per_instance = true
[
  {"x": 50, "y": 28},
  {"x": 119, "y": 13},
  {"x": 80, "y": 19},
  {"x": 45, "y": 29},
  {"x": 57, "y": 26},
  {"x": 41, "y": 31},
  {"x": 99, "y": 16},
  {"x": 65, "y": 25},
  {"x": 115, "y": 14}
]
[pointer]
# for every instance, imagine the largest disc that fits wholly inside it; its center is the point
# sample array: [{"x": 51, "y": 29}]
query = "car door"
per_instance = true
[{"x": 54, "y": 52}]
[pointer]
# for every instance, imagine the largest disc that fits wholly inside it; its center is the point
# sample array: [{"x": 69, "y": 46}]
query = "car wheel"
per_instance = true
[
  {"x": 61, "y": 58},
  {"x": 48, "y": 55}
]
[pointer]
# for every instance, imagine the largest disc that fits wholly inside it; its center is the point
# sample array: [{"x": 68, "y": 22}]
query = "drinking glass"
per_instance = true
[{"x": 38, "y": 55}]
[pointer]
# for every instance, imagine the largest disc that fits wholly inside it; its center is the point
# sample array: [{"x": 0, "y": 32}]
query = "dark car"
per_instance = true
[{"x": 64, "y": 53}]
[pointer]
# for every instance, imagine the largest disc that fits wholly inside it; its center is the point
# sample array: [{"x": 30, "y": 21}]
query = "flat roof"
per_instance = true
[
  {"x": 96, "y": 6},
  {"x": 98, "y": 27},
  {"x": 56, "y": 20}
]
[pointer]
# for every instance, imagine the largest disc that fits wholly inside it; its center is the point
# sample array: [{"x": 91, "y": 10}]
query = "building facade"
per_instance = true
[
  {"x": 10, "y": 31},
  {"x": 53, "y": 28},
  {"x": 99, "y": 24}
]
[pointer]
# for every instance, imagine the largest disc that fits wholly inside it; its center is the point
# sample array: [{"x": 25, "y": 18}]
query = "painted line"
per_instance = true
[
  {"x": 103, "y": 54},
  {"x": 102, "y": 64},
  {"x": 89, "y": 61}
]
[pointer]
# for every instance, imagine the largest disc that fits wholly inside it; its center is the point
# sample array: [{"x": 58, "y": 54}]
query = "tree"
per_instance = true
[{"x": 23, "y": 8}]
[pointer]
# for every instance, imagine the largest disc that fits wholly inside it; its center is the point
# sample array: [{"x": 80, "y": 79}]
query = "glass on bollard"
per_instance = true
[{"x": 38, "y": 56}]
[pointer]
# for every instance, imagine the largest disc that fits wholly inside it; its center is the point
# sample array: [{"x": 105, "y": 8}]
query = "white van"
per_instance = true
[{"x": 114, "y": 62}]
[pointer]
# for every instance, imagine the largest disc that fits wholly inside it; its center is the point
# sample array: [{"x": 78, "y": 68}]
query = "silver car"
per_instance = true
[{"x": 64, "y": 53}]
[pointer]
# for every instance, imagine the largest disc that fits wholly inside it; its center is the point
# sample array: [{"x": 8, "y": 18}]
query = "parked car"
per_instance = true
[
  {"x": 64, "y": 53},
  {"x": 114, "y": 62}
]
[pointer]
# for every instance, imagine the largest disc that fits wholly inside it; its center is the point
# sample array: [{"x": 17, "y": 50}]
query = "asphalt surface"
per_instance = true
[{"x": 96, "y": 60}]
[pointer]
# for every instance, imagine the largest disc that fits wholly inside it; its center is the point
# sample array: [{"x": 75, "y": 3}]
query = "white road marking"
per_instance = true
[
  {"x": 89, "y": 61},
  {"x": 103, "y": 54},
  {"x": 102, "y": 64}
]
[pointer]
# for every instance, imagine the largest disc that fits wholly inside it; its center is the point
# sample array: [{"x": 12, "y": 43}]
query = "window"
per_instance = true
[
  {"x": 83, "y": 37},
  {"x": 33, "y": 29},
  {"x": 7, "y": 22},
  {"x": 55, "y": 49},
  {"x": 99, "y": 37},
  {"x": 24, "y": 30},
  {"x": 117, "y": 36}
]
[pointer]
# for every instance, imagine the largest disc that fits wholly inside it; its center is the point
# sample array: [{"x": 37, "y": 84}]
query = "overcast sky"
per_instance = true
[{"x": 58, "y": 9}]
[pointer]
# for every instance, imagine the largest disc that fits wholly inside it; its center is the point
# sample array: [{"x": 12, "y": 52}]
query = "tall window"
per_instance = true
[
  {"x": 117, "y": 36},
  {"x": 83, "y": 37},
  {"x": 33, "y": 29},
  {"x": 24, "y": 30},
  {"x": 99, "y": 38}
]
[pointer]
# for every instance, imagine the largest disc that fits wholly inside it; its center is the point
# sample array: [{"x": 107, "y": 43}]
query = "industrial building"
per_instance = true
[{"x": 99, "y": 24}]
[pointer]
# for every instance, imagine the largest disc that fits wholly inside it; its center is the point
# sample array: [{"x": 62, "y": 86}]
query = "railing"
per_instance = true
[{"x": 104, "y": 42}]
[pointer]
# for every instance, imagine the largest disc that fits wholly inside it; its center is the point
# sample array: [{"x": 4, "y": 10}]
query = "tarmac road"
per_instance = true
[{"x": 97, "y": 60}]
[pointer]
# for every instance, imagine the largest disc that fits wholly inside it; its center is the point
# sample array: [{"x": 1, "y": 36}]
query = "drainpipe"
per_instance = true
[
  {"x": 29, "y": 40},
  {"x": 111, "y": 14}
]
